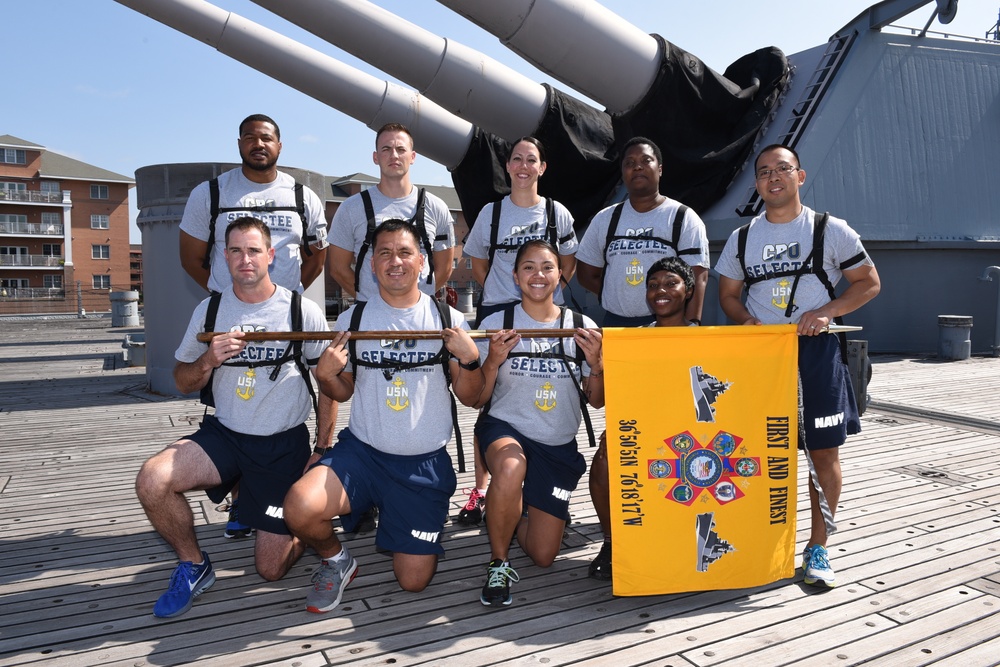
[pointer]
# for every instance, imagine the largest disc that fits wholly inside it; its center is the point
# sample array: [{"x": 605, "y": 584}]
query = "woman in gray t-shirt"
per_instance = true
[{"x": 527, "y": 435}]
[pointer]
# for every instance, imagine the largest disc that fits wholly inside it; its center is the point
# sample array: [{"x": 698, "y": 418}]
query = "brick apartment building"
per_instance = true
[{"x": 64, "y": 231}]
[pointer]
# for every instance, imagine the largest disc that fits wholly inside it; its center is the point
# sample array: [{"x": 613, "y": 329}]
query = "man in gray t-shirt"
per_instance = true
[
  {"x": 393, "y": 198},
  {"x": 392, "y": 455},
  {"x": 259, "y": 190},
  {"x": 258, "y": 432},
  {"x": 776, "y": 259}
]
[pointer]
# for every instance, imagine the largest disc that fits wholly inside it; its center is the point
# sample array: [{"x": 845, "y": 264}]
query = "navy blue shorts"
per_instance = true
[
  {"x": 412, "y": 493},
  {"x": 830, "y": 413},
  {"x": 265, "y": 465},
  {"x": 552, "y": 471},
  {"x": 613, "y": 320}
]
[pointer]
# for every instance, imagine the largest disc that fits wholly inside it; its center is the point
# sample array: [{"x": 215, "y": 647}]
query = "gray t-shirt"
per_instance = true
[
  {"x": 627, "y": 260},
  {"x": 400, "y": 411},
  {"x": 350, "y": 226},
  {"x": 773, "y": 247},
  {"x": 518, "y": 225},
  {"x": 537, "y": 396},
  {"x": 246, "y": 400},
  {"x": 235, "y": 190}
]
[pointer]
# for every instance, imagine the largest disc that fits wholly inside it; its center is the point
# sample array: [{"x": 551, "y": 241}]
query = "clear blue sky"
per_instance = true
[{"x": 101, "y": 83}]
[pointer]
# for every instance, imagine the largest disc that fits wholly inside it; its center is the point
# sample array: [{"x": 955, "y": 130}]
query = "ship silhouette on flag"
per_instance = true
[
  {"x": 710, "y": 547},
  {"x": 706, "y": 389}
]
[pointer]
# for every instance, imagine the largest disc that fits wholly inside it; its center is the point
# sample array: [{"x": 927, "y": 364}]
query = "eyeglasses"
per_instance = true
[{"x": 781, "y": 170}]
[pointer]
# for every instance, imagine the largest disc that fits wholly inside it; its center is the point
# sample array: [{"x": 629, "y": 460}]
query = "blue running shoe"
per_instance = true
[
  {"x": 186, "y": 583},
  {"x": 235, "y": 529},
  {"x": 816, "y": 568}
]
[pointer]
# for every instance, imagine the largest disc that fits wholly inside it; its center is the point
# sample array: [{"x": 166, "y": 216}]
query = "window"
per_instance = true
[
  {"x": 51, "y": 187},
  {"x": 468, "y": 263},
  {"x": 10, "y": 217},
  {"x": 99, "y": 192},
  {"x": 99, "y": 222},
  {"x": 13, "y": 250},
  {"x": 52, "y": 250},
  {"x": 13, "y": 187},
  {"x": 454, "y": 263},
  {"x": 52, "y": 282},
  {"x": 14, "y": 282},
  {"x": 100, "y": 251},
  {"x": 13, "y": 156},
  {"x": 102, "y": 282},
  {"x": 51, "y": 219}
]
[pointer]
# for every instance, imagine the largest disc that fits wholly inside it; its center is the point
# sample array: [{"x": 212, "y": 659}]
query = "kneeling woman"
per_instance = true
[{"x": 533, "y": 398}]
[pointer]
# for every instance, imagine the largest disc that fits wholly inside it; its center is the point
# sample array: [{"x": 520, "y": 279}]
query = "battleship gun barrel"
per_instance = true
[
  {"x": 579, "y": 42},
  {"x": 444, "y": 137},
  {"x": 461, "y": 79}
]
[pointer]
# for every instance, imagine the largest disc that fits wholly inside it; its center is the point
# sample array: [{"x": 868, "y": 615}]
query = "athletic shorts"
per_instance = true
[
  {"x": 412, "y": 493},
  {"x": 266, "y": 466},
  {"x": 829, "y": 410},
  {"x": 552, "y": 471},
  {"x": 613, "y": 320}
]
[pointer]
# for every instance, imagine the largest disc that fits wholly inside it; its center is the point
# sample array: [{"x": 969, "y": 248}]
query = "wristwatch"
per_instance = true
[{"x": 471, "y": 366}]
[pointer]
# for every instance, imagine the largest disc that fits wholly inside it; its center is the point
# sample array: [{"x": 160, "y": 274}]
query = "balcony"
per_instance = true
[
  {"x": 33, "y": 196},
  {"x": 31, "y": 293},
  {"x": 30, "y": 261},
  {"x": 30, "y": 228}
]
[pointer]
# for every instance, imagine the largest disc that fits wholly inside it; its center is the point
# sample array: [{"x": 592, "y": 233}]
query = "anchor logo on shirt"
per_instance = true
[
  {"x": 547, "y": 396},
  {"x": 634, "y": 273},
  {"x": 397, "y": 395},
  {"x": 245, "y": 385},
  {"x": 779, "y": 295}
]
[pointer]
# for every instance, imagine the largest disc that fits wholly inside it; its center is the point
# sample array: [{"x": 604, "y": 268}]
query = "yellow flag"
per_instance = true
[{"x": 702, "y": 433}]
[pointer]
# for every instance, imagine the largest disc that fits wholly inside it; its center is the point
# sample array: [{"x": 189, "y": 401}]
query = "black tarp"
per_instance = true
[{"x": 705, "y": 124}]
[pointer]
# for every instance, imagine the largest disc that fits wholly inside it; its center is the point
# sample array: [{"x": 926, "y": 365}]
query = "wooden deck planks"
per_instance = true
[{"x": 918, "y": 557}]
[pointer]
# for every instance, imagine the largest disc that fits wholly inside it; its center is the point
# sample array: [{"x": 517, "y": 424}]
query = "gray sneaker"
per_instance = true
[{"x": 329, "y": 582}]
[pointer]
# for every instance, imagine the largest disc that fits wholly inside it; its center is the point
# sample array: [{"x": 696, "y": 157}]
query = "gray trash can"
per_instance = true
[
  {"x": 954, "y": 337},
  {"x": 124, "y": 309}
]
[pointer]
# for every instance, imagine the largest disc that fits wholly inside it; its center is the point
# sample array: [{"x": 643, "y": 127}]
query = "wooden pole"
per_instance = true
[{"x": 257, "y": 336}]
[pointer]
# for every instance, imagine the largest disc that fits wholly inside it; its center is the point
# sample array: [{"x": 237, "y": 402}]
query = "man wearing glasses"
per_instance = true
[{"x": 788, "y": 259}]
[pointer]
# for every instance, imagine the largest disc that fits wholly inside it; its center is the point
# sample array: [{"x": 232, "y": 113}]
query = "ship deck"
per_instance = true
[{"x": 917, "y": 555}]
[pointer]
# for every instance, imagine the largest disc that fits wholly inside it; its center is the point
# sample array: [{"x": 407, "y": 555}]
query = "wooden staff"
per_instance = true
[{"x": 257, "y": 336}]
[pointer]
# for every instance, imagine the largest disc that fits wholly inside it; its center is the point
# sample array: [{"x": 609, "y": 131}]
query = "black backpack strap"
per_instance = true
[
  {"x": 444, "y": 311},
  {"x": 205, "y": 395},
  {"x": 580, "y": 357},
  {"x": 294, "y": 352},
  {"x": 676, "y": 235},
  {"x": 551, "y": 234},
  {"x": 213, "y": 213},
  {"x": 354, "y": 325},
  {"x": 508, "y": 316},
  {"x": 421, "y": 228},
  {"x": 819, "y": 235},
  {"x": 741, "y": 252},
  {"x": 359, "y": 261},
  {"x": 494, "y": 237},
  {"x": 300, "y": 208},
  {"x": 616, "y": 215},
  {"x": 812, "y": 264}
]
